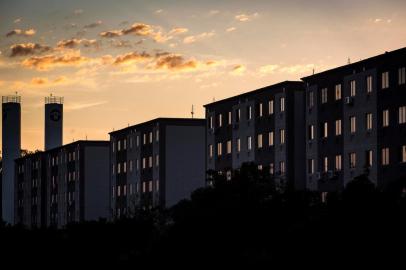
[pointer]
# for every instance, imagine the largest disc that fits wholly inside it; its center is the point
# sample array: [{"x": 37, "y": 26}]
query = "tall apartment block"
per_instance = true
[
  {"x": 356, "y": 122},
  {"x": 11, "y": 131},
  {"x": 53, "y": 122},
  {"x": 66, "y": 184},
  {"x": 265, "y": 126},
  {"x": 156, "y": 163}
]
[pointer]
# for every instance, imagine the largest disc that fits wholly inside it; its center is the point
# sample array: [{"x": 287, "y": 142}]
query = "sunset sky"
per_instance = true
[{"x": 124, "y": 62}]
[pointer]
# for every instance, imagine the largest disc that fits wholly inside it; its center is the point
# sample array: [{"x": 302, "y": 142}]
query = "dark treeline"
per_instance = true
[{"x": 248, "y": 220}]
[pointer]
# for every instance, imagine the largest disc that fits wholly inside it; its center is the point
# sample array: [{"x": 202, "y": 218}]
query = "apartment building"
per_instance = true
[
  {"x": 63, "y": 185},
  {"x": 265, "y": 126},
  {"x": 356, "y": 122},
  {"x": 155, "y": 164}
]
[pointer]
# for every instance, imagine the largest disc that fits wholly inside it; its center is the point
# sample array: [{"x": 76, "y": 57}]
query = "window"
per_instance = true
[
  {"x": 219, "y": 149},
  {"x": 260, "y": 167},
  {"x": 112, "y": 146},
  {"x": 369, "y": 121},
  {"x": 150, "y": 137},
  {"x": 118, "y": 168},
  {"x": 138, "y": 140},
  {"x": 229, "y": 118},
  {"x": 237, "y": 115},
  {"x": 118, "y": 191},
  {"x": 125, "y": 144},
  {"x": 270, "y": 107},
  {"x": 325, "y": 130},
  {"x": 282, "y": 136},
  {"x": 403, "y": 153},
  {"x": 210, "y": 150},
  {"x": 113, "y": 170},
  {"x": 311, "y": 132},
  {"x": 249, "y": 143},
  {"x": 402, "y": 115},
  {"x": 272, "y": 168},
  {"x": 338, "y": 164},
  {"x": 131, "y": 165},
  {"x": 325, "y": 164},
  {"x": 156, "y": 160},
  {"x": 229, "y": 147},
  {"x": 238, "y": 145},
  {"x": 260, "y": 109},
  {"x": 311, "y": 166},
  {"x": 124, "y": 190},
  {"x": 338, "y": 91},
  {"x": 144, "y": 163},
  {"x": 353, "y": 88},
  {"x": 143, "y": 187},
  {"x": 259, "y": 141},
  {"x": 144, "y": 139},
  {"x": 118, "y": 147},
  {"x": 131, "y": 142},
  {"x": 368, "y": 158},
  {"x": 385, "y": 80},
  {"x": 338, "y": 127},
  {"x": 324, "y": 95},
  {"x": 149, "y": 186},
  {"x": 150, "y": 161},
  {"x": 369, "y": 84},
  {"x": 353, "y": 124},
  {"x": 157, "y": 136},
  {"x": 353, "y": 160},
  {"x": 270, "y": 138},
  {"x": 282, "y": 167},
  {"x": 402, "y": 75},
  {"x": 220, "y": 120},
  {"x": 282, "y": 104},
  {"x": 311, "y": 99},
  {"x": 385, "y": 156},
  {"x": 211, "y": 122},
  {"x": 249, "y": 112},
  {"x": 385, "y": 118},
  {"x": 124, "y": 168}
]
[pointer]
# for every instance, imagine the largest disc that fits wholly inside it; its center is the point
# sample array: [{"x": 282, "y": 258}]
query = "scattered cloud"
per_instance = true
[
  {"x": 178, "y": 30},
  {"x": 193, "y": 39},
  {"x": 131, "y": 58},
  {"x": 81, "y": 106},
  {"x": 73, "y": 43},
  {"x": 45, "y": 81},
  {"x": 175, "y": 63},
  {"x": 116, "y": 43},
  {"x": 238, "y": 70},
  {"x": 19, "y": 32},
  {"x": 158, "y": 11},
  {"x": 51, "y": 61},
  {"x": 18, "y": 20},
  {"x": 231, "y": 29},
  {"x": 245, "y": 17},
  {"x": 27, "y": 49},
  {"x": 93, "y": 25}
]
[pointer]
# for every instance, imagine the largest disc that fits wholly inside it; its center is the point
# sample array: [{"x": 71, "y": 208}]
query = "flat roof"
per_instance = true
[
  {"x": 364, "y": 61},
  {"x": 257, "y": 91},
  {"x": 200, "y": 121}
]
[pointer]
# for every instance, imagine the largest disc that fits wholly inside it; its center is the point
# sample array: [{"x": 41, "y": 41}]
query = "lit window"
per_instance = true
[
  {"x": 272, "y": 168},
  {"x": 324, "y": 95},
  {"x": 220, "y": 120},
  {"x": 124, "y": 167},
  {"x": 282, "y": 104},
  {"x": 211, "y": 122},
  {"x": 210, "y": 150},
  {"x": 270, "y": 138},
  {"x": 282, "y": 136},
  {"x": 385, "y": 80},
  {"x": 369, "y": 121},
  {"x": 144, "y": 163},
  {"x": 156, "y": 160},
  {"x": 338, "y": 127},
  {"x": 249, "y": 112},
  {"x": 369, "y": 84},
  {"x": 385, "y": 118},
  {"x": 144, "y": 139},
  {"x": 260, "y": 167},
  {"x": 368, "y": 158},
  {"x": 229, "y": 147},
  {"x": 325, "y": 164},
  {"x": 150, "y": 137},
  {"x": 138, "y": 140},
  {"x": 403, "y": 153},
  {"x": 157, "y": 135},
  {"x": 402, "y": 75},
  {"x": 353, "y": 88},
  {"x": 325, "y": 130},
  {"x": 149, "y": 186},
  {"x": 338, "y": 91},
  {"x": 112, "y": 147},
  {"x": 143, "y": 187},
  {"x": 338, "y": 163},
  {"x": 353, "y": 160},
  {"x": 157, "y": 185},
  {"x": 118, "y": 146},
  {"x": 353, "y": 124},
  {"x": 311, "y": 132},
  {"x": 150, "y": 161},
  {"x": 282, "y": 167},
  {"x": 270, "y": 107},
  {"x": 402, "y": 115},
  {"x": 385, "y": 156},
  {"x": 238, "y": 145},
  {"x": 229, "y": 118},
  {"x": 124, "y": 144},
  {"x": 259, "y": 141},
  {"x": 237, "y": 115},
  {"x": 219, "y": 149},
  {"x": 118, "y": 167},
  {"x": 260, "y": 109},
  {"x": 249, "y": 143},
  {"x": 311, "y": 166}
]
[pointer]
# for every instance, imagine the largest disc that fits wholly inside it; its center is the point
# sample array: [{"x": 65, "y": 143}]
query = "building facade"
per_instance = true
[
  {"x": 66, "y": 184},
  {"x": 264, "y": 126},
  {"x": 356, "y": 123},
  {"x": 155, "y": 164}
]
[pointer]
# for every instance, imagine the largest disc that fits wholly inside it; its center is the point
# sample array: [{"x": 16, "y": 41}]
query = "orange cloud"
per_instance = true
[
  {"x": 27, "y": 48},
  {"x": 193, "y": 39},
  {"x": 72, "y": 43},
  {"x": 42, "y": 81},
  {"x": 51, "y": 61},
  {"x": 238, "y": 70},
  {"x": 175, "y": 63},
  {"x": 131, "y": 58},
  {"x": 19, "y": 32}
]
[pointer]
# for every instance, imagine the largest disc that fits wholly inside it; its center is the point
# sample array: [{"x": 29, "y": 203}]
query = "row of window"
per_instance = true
[
  {"x": 353, "y": 123},
  {"x": 147, "y": 186},
  {"x": 146, "y": 138},
  {"x": 63, "y": 197},
  {"x": 146, "y": 162},
  {"x": 260, "y": 143},
  {"x": 352, "y": 159},
  {"x": 353, "y": 87},
  {"x": 219, "y": 117}
]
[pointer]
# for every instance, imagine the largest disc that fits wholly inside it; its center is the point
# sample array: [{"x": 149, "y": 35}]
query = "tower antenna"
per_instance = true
[{"x": 193, "y": 111}]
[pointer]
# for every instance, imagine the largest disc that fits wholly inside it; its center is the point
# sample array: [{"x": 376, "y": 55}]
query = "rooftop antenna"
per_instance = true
[
  {"x": 313, "y": 71},
  {"x": 86, "y": 137},
  {"x": 214, "y": 99},
  {"x": 349, "y": 60},
  {"x": 192, "y": 112}
]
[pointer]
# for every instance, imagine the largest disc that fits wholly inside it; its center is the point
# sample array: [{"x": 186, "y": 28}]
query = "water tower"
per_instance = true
[{"x": 53, "y": 122}]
